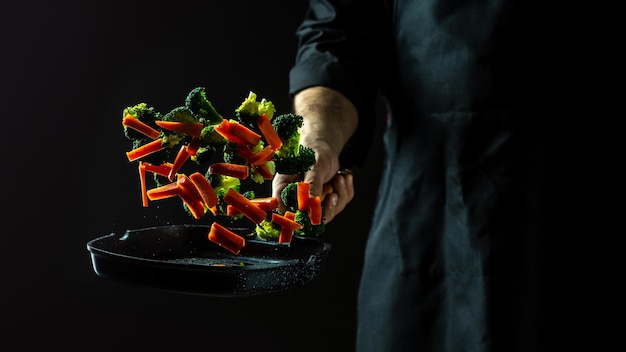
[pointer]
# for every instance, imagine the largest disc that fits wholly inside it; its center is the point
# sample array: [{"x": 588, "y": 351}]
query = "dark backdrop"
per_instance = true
[{"x": 67, "y": 69}]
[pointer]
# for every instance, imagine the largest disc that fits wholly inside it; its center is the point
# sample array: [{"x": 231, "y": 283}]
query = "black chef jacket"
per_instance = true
[{"x": 452, "y": 259}]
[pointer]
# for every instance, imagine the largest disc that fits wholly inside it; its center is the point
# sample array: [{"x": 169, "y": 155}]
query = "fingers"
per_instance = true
[
  {"x": 278, "y": 183},
  {"x": 342, "y": 194}
]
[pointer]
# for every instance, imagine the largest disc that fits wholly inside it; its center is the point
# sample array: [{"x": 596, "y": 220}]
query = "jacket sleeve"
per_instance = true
[{"x": 340, "y": 46}]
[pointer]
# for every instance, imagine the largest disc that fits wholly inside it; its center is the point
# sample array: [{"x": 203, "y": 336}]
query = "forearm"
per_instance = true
[{"x": 330, "y": 119}]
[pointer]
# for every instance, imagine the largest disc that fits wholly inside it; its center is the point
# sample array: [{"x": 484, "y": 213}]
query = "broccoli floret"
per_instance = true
[
  {"x": 292, "y": 157},
  {"x": 180, "y": 114},
  {"x": 221, "y": 184},
  {"x": 308, "y": 229},
  {"x": 144, "y": 113},
  {"x": 211, "y": 137},
  {"x": 250, "y": 110},
  {"x": 231, "y": 154},
  {"x": 289, "y": 196},
  {"x": 177, "y": 114},
  {"x": 293, "y": 164},
  {"x": 287, "y": 127},
  {"x": 268, "y": 230},
  {"x": 198, "y": 103}
]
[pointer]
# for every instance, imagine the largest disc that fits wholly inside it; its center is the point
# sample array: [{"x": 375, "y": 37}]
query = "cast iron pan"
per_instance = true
[{"x": 180, "y": 258}]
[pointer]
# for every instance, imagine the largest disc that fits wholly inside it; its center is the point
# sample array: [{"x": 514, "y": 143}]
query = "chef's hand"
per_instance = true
[{"x": 330, "y": 119}]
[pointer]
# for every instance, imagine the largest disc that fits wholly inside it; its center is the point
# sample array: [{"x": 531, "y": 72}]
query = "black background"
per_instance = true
[{"x": 67, "y": 70}]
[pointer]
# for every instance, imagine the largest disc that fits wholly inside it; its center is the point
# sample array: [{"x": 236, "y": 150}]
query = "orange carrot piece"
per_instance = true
[
  {"x": 226, "y": 238},
  {"x": 204, "y": 188},
  {"x": 265, "y": 126},
  {"x": 302, "y": 193},
  {"x": 181, "y": 157},
  {"x": 228, "y": 169},
  {"x": 161, "y": 170},
  {"x": 286, "y": 233},
  {"x": 146, "y": 149},
  {"x": 237, "y": 133},
  {"x": 194, "y": 145},
  {"x": 264, "y": 170},
  {"x": 286, "y": 222},
  {"x": 142, "y": 182},
  {"x": 244, "y": 205},
  {"x": 140, "y": 126},
  {"x": 262, "y": 156},
  {"x": 315, "y": 210},
  {"x": 188, "y": 128},
  {"x": 190, "y": 195},
  {"x": 265, "y": 203},
  {"x": 162, "y": 192}
]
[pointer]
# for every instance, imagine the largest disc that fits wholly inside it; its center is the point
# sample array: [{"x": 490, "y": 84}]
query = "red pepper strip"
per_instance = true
[
  {"x": 190, "y": 195},
  {"x": 265, "y": 126},
  {"x": 142, "y": 180},
  {"x": 162, "y": 170},
  {"x": 265, "y": 203},
  {"x": 226, "y": 238},
  {"x": 285, "y": 222},
  {"x": 237, "y": 133},
  {"x": 286, "y": 232},
  {"x": 146, "y": 149},
  {"x": 162, "y": 192},
  {"x": 261, "y": 157},
  {"x": 181, "y": 158},
  {"x": 244, "y": 205},
  {"x": 194, "y": 145},
  {"x": 204, "y": 188},
  {"x": 302, "y": 192},
  {"x": 140, "y": 126},
  {"x": 315, "y": 210},
  {"x": 228, "y": 169},
  {"x": 264, "y": 170},
  {"x": 188, "y": 128}
]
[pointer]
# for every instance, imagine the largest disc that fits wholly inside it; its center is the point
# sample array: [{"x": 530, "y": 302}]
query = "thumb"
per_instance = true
[{"x": 321, "y": 173}]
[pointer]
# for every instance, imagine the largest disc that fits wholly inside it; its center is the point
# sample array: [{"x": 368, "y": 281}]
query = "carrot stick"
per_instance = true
[
  {"x": 264, "y": 170},
  {"x": 303, "y": 195},
  {"x": 188, "y": 128},
  {"x": 204, "y": 188},
  {"x": 286, "y": 232},
  {"x": 140, "y": 126},
  {"x": 194, "y": 145},
  {"x": 161, "y": 170},
  {"x": 162, "y": 192},
  {"x": 265, "y": 126},
  {"x": 181, "y": 158},
  {"x": 228, "y": 169},
  {"x": 237, "y": 133},
  {"x": 146, "y": 149},
  {"x": 142, "y": 181},
  {"x": 190, "y": 195},
  {"x": 261, "y": 157},
  {"x": 315, "y": 210},
  {"x": 284, "y": 221},
  {"x": 265, "y": 203},
  {"x": 226, "y": 238},
  {"x": 244, "y": 205}
]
